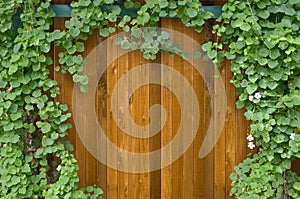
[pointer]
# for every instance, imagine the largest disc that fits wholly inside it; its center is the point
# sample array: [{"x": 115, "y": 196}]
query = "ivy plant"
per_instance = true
[
  {"x": 263, "y": 45},
  {"x": 35, "y": 163}
]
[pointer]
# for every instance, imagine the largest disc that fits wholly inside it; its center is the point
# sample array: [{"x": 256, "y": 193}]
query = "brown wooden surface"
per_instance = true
[{"x": 188, "y": 177}]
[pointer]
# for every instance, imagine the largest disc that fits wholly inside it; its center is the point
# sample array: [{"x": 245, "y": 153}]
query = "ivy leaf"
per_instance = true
[
  {"x": 125, "y": 44},
  {"x": 274, "y": 54},
  {"x": 12, "y": 69},
  {"x": 84, "y": 3},
  {"x": 212, "y": 54},
  {"x": 136, "y": 32},
  {"x": 192, "y": 12},
  {"x": 47, "y": 141},
  {"x": 46, "y": 128},
  {"x": 8, "y": 127},
  {"x": 297, "y": 186},
  {"x": 264, "y": 52},
  {"x": 84, "y": 88},
  {"x": 74, "y": 32},
  {"x": 80, "y": 47},
  {"x": 37, "y": 93},
  {"x": 163, "y": 4},
  {"x": 89, "y": 189},
  {"x": 15, "y": 116},
  {"x": 296, "y": 100},
  {"x": 104, "y": 32},
  {"x": 269, "y": 44},
  {"x": 207, "y": 46},
  {"x": 251, "y": 88},
  {"x": 245, "y": 27},
  {"x": 264, "y": 14},
  {"x": 45, "y": 48},
  {"x": 273, "y": 63}
]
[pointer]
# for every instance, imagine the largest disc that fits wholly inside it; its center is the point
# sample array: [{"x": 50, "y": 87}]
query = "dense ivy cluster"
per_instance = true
[
  {"x": 89, "y": 15},
  {"x": 264, "y": 49},
  {"x": 34, "y": 162},
  {"x": 35, "y": 159}
]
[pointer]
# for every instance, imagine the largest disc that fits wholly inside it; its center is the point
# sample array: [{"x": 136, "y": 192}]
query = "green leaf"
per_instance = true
[
  {"x": 212, "y": 54},
  {"x": 89, "y": 189},
  {"x": 273, "y": 63},
  {"x": 245, "y": 27},
  {"x": 46, "y": 127},
  {"x": 54, "y": 135},
  {"x": 80, "y": 47},
  {"x": 15, "y": 116},
  {"x": 264, "y": 14},
  {"x": 192, "y": 12},
  {"x": 207, "y": 46},
  {"x": 163, "y": 3},
  {"x": 274, "y": 54},
  {"x": 47, "y": 141},
  {"x": 125, "y": 44},
  {"x": 104, "y": 32},
  {"x": 12, "y": 69},
  {"x": 74, "y": 32},
  {"x": 264, "y": 52},
  {"x": 269, "y": 44},
  {"x": 251, "y": 88},
  {"x": 35, "y": 179},
  {"x": 8, "y": 127},
  {"x": 84, "y": 3},
  {"x": 84, "y": 88},
  {"x": 240, "y": 104},
  {"x": 37, "y": 93},
  {"x": 296, "y": 100},
  {"x": 136, "y": 32},
  {"x": 45, "y": 48},
  {"x": 297, "y": 186}
]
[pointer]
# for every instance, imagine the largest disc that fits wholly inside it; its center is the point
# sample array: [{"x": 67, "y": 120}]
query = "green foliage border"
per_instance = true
[
  {"x": 263, "y": 45},
  {"x": 264, "y": 48}
]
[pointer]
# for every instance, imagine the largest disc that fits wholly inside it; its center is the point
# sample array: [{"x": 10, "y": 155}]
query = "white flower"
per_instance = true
[
  {"x": 251, "y": 145},
  {"x": 257, "y": 95},
  {"x": 292, "y": 137},
  {"x": 58, "y": 168},
  {"x": 251, "y": 98},
  {"x": 250, "y": 138}
]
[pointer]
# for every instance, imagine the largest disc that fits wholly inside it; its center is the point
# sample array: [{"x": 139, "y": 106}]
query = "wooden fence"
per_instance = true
[{"x": 188, "y": 177}]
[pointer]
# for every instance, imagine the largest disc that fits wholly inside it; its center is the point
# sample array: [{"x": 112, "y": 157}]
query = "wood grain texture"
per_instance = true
[{"x": 188, "y": 177}]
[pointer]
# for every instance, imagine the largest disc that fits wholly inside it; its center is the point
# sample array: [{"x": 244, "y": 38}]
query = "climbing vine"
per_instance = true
[
  {"x": 264, "y": 48},
  {"x": 263, "y": 42},
  {"x": 35, "y": 157}
]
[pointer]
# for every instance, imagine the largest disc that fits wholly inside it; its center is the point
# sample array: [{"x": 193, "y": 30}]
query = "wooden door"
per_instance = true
[{"x": 189, "y": 177}]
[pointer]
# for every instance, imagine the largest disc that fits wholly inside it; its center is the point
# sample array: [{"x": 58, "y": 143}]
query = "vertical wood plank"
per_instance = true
[
  {"x": 188, "y": 156},
  {"x": 199, "y": 88},
  {"x": 123, "y": 140},
  {"x": 112, "y": 133},
  {"x": 90, "y": 161},
  {"x": 102, "y": 113},
  {"x": 178, "y": 65},
  {"x": 209, "y": 159},
  {"x": 166, "y": 133}
]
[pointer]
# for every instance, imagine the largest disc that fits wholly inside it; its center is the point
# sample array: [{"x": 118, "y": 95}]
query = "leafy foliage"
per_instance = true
[
  {"x": 34, "y": 162},
  {"x": 264, "y": 49}
]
